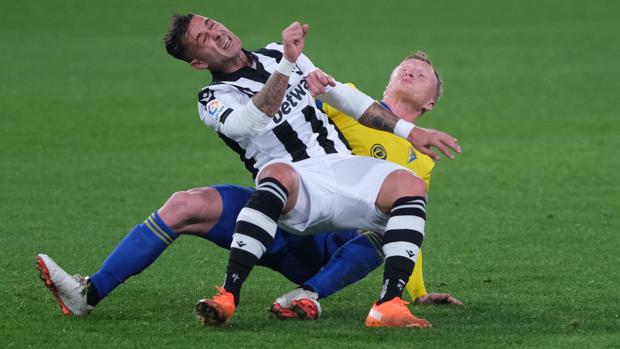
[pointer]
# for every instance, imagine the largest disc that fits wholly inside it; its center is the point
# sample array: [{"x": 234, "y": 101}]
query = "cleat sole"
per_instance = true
[
  {"x": 305, "y": 309},
  {"x": 282, "y": 313},
  {"x": 44, "y": 275},
  {"x": 208, "y": 315}
]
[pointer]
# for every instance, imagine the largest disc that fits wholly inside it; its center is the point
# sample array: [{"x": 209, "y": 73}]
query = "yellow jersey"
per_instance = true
[{"x": 366, "y": 141}]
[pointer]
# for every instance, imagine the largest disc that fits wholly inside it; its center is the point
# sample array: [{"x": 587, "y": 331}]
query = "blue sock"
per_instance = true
[
  {"x": 141, "y": 247},
  {"x": 350, "y": 263}
]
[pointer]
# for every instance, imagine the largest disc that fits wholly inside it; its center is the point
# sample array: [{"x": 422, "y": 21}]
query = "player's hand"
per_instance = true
[
  {"x": 438, "y": 298},
  {"x": 423, "y": 139},
  {"x": 293, "y": 40},
  {"x": 318, "y": 80}
]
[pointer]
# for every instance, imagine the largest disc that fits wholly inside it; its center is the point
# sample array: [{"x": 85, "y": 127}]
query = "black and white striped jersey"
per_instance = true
[{"x": 298, "y": 131}]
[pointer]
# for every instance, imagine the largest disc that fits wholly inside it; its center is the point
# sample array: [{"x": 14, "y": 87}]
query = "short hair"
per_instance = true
[
  {"x": 175, "y": 38},
  {"x": 422, "y": 56}
]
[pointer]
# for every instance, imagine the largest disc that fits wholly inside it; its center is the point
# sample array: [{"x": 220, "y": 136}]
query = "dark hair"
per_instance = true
[{"x": 175, "y": 38}]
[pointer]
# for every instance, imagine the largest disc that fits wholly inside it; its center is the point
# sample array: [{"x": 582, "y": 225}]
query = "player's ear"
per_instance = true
[
  {"x": 197, "y": 64},
  {"x": 429, "y": 106}
]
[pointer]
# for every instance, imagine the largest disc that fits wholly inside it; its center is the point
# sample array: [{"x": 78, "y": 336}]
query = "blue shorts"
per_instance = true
[{"x": 297, "y": 258}]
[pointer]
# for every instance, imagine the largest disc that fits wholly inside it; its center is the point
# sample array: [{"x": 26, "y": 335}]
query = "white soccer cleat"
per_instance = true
[
  {"x": 69, "y": 291},
  {"x": 298, "y": 303}
]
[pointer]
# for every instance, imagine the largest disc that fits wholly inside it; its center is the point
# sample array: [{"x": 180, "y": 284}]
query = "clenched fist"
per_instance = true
[{"x": 293, "y": 40}]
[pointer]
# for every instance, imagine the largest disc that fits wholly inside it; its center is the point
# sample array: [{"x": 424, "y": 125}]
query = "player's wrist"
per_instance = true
[
  {"x": 285, "y": 67},
  {"x": 403, "y": 128}
]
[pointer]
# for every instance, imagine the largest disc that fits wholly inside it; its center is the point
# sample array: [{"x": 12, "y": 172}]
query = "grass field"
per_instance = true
[{"x": 98, "y": 127}]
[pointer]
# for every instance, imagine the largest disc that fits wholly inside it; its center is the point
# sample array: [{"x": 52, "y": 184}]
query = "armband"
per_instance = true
[
  {"x": 347, "y": 99},
  {"x": 403, "y": 128},
  {"x": 285, "y": 67}
]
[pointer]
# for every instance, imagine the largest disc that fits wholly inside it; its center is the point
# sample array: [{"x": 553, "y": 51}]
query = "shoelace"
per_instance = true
[
  {"x": 83, "y": 282},
  {"x": 221, "y": 292}
]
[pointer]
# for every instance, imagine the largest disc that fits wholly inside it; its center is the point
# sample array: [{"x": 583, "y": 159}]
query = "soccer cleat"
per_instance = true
[
  {"x": 281, "y": 312},
  {"x": 217, "y": 310},
  {"x": 69, "y": 291},
  {"x": 299, "y": 303},
  {"x": 394, "y": 313}
]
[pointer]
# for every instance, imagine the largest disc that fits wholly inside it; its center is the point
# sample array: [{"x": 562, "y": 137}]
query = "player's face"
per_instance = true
[
  {"x": 414, "y": 81},
  {"x": 210, "y": 44}
]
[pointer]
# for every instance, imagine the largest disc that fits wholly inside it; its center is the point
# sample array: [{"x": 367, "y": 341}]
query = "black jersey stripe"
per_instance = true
[
  {"x": 225, "y": 115},
  {"x": 260, "y": 69},
  {"x": 318, "y": 128},
  {"x": 340, "y": 135},
  {"x": 275, "y": 54},
  {"x": 257, "y": 75},
  {"x": 291, "y": 142},
  {"x": 249, "y": 162}
]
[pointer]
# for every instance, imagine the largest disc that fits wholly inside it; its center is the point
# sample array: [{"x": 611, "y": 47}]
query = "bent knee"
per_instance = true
[
  {"x": 283, "y": 173},
  {"x": 398, "y": 184},
  {"x": 184, "y": 208},
  {"x": 409, "y": 183}
]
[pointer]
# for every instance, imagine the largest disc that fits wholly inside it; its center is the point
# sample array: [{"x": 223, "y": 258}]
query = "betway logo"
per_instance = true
[{"x": 291, "y": 100}]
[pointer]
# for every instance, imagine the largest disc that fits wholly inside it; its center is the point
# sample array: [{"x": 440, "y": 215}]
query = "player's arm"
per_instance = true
[
  {"x": 270, "y": 97},
  {"x": 417, "y": 290},
  {"x": 370, "y": 113},
  {"x": 235, "y": 118}
]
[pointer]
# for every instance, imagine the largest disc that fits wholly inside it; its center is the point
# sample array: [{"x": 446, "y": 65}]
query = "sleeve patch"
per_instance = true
[{"x": 215, "y": 108}]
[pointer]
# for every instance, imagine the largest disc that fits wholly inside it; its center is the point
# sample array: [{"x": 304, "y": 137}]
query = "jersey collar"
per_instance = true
[
  {"x": 385, "y": 106},
  {"x": 243, "y": 72}
]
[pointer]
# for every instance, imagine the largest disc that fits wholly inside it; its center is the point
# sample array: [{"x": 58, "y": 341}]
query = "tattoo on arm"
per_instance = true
[
  {"x": 379, "y": 118},
  {"x": 269, "y": 99}
]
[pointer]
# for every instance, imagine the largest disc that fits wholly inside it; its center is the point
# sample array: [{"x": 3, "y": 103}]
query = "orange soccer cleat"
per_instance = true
[
  {"x": 394, "y": 313},
  {"x": 217, "y": 310}
]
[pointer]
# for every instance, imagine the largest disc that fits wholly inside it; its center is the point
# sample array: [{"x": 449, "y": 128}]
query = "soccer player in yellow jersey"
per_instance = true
[{"x": 413, "y": 89}]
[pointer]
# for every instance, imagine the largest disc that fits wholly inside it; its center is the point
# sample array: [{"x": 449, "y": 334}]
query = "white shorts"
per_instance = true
[{"x": 337, "y": 192}]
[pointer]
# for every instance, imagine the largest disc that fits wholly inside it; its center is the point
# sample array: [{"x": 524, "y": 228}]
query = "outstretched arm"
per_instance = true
[
  {"x": 422, "y": 139},
  {"x": 417, "y": 290},
  {"x": 370, "y": 113}
]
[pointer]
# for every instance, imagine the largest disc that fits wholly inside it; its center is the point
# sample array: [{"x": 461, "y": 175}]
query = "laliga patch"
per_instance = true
[{"x": 215, "y": 109}]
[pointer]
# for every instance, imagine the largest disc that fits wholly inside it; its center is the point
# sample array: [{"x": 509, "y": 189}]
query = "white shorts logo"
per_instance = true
[{"x": 216, "y": 108}]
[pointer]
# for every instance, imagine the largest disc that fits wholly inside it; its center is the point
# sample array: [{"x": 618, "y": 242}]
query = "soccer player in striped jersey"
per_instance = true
[
  {"x": 211, "y": 213},
  {"x": 221, "y": 42},
  {"x": 306, "y": 179}
]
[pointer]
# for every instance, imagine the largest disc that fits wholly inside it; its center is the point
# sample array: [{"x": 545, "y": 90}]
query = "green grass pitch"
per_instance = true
[{"x": 98, "y": 126}]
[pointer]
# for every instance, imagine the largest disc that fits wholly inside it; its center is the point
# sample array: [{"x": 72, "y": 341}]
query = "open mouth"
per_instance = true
[{"x": 227, "y": 43}]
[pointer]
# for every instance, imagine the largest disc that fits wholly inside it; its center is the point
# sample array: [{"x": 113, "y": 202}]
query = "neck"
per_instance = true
[
  {"x": 403, "y": 110},
  {"x": 236, "y": 63}
]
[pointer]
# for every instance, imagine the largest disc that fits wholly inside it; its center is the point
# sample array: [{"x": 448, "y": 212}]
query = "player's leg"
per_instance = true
[
  {"x": 189, "y": 212},
  {"x": 403, "y": 197},
  {"x": 350, "y": 263},
  {"x": 349, "y": 257},
  {"x": 276, "y": 193}
]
